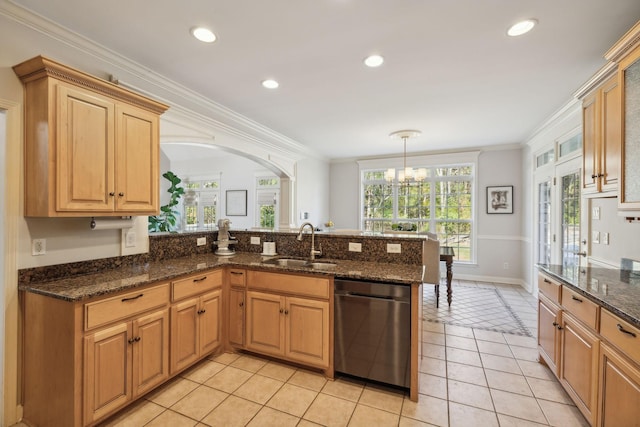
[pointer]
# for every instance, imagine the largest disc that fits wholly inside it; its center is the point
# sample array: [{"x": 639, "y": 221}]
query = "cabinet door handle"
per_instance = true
[
  {"x": 555, "y": 323},
  {"x": 200, "y": 279},
  {"x": 547, "y": 281},
  {"x": 241, "y": 304},
  {"x": 286, "y": 312},
  {"x": 281, "y": 310},
  {"x": 624, "y": 331},
  {"x": 558, "y": 327},
  {"x": 575, "y": 298},
  {"x": 111, "y": 194},
  {"x": 237, "y": 272},
  {"x": 593, "y": 176},
  {"x": 131, "y": 340},
  {"x": 121, "y": 194},
  {"x": 132, "y": 298}
]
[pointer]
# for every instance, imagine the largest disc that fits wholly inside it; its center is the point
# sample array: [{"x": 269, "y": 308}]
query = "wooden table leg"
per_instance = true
[{"x": 449, "y": 279}]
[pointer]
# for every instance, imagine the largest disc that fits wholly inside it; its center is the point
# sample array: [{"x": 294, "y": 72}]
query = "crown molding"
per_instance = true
[{"x": 227, "y": 120}]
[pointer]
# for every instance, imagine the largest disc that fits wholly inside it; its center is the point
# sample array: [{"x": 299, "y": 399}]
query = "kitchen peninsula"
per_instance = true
[{"x": 180, "y": 290}]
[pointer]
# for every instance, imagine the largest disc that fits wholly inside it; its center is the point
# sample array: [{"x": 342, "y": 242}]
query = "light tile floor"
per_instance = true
[{"x": 469, "y": 377}]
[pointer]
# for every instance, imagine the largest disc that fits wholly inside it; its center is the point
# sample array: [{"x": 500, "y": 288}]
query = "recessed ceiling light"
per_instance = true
[
  {"x": 373, "y": 61},
  {"x": 203, "y": 34},
  {"x": 521, "y": 27},
  {"x": 270, "y": 84}
]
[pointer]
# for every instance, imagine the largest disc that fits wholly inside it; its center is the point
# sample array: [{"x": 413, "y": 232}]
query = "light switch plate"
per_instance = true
[
  {"x": 605, "y": 238},
  {"x": 201, "y": 241},
  {"x": 355, "y": 247},
  {"x": 595, "y": 237},
  {"x": 595, "y": 213},
  {"x": 130, "y": 239},
  {"x": 394, "y": 248},
  {"x": 255, "y": 240}
]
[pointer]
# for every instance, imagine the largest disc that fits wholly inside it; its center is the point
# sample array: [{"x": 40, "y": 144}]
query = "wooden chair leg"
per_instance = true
[{"x": 437, "y": 296}]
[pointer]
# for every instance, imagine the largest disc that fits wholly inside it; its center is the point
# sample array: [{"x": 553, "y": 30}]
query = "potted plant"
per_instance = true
[{"x": 166, "y": 220}]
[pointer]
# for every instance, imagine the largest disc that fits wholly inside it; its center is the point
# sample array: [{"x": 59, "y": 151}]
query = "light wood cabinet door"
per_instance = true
[
  {"x": 265, "y": 323},
  {"x": 184, "y": 334},
  {"x": 307, "y": 331},
  {"x": 107, "y": 377},
  {"x": 236, "y": 316},
  {"x": 548, "y": 332},
  {"x": 137, "y": 159},
  {"x": 611, "y": 146},
  {"x": 209, "y": 322},
  {"x": 150, "y": 351},
  {"x": 590, "y": 132},
  {"x": 195, "y": 329},
  {"x": 85, "y": 151},
  {"x": 619, "y": 395},
  {"x": 602, "y": 138},
  {"x": 579, "y": 365}
]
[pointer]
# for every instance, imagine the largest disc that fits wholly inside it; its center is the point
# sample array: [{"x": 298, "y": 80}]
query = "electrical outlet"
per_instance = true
[
  {"x": 355, "y": 247},
  {"x": 130, "y": 239},
  {"x": 605, "y": 238},
  {"x": 38, "y": 247},
  {"x": 201, "y": 241},
  {"x": 255, "y": 240},
  {"x": 394, "y": 248},
  {"x": 595, "y": 237},
  {"x": 595, "y": 213}
]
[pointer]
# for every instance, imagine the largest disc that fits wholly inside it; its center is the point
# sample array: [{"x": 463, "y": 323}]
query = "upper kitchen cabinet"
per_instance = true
[
  {"x": 601, "y": 126},
  {"x": 626, "y": 53},
  {"x": 91, "y": 147}
]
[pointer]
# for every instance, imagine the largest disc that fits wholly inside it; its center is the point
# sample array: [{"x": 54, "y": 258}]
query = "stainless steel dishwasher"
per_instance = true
[{"x": 373, "y": 331}]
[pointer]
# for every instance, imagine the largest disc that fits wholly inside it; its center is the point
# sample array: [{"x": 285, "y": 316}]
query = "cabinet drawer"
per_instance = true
[
  {"x": 289, "y": 283},
  {"x": 621, "y": 334},
  {"x": 582, "y": 308},
  {"x": 549, "y": 287},
  {"x": 196, "y": 284},
  {"x": 237, "y": 277},
  {"x": 119, "y": 307}
]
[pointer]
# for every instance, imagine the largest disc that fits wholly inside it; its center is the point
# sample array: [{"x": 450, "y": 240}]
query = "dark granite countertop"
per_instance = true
[
  {"x": 82, "y": 287},
  {"x": 616, "y": 290}
]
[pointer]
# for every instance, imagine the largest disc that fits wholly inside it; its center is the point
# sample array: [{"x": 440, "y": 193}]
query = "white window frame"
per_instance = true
[
  {"x": 273, "y": 190},
  {"x": 430, "y": 161}
]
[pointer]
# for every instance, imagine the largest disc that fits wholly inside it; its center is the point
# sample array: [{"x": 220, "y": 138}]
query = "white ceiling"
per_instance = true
[{"x": 450, "y": 69}]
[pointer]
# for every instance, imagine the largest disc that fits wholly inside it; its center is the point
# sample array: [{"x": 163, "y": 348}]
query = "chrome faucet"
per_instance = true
[{"x": 314, "y": 252}]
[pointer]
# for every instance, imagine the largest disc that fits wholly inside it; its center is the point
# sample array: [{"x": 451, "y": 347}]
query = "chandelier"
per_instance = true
[{"x": 407, "y": 175}]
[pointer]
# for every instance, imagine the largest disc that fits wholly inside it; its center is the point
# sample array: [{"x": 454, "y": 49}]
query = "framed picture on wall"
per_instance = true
[
  {"x": 236, "y": 202},
  {"x": 500, "y": 199}
]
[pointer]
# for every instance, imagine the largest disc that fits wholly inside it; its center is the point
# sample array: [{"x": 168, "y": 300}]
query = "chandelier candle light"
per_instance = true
[{"x": 407, "y": 175}]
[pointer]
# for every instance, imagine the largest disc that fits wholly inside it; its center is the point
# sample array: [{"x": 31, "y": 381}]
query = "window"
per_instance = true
[
  {"x": 267, "y": 196},
  {"x": 200, "y": 203},
  {"x": 544, "y": 222},
  {"x": 441, "y": 204}
]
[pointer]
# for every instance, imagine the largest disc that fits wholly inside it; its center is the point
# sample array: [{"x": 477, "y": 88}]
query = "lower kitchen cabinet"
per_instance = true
[
  {"x": 579, "y": 365},
  {"x": 236, "y": 317},
  {"x": 290, "y": 327},
  {"x": 549, "y": 317},
  {"x": 123, "y": 361},
  {"x": 195, "y": 329},
  {"x": 619, "y": 396}
]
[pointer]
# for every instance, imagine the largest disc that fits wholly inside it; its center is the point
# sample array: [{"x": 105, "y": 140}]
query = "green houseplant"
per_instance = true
[{"x": 166, "y": 220}]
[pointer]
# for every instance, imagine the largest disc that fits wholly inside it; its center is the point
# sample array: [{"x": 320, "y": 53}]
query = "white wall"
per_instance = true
[
  {"x": 624, "y": 237},
  {"x": 344, "y": 194},
  {"x": 312, "y": 192}
]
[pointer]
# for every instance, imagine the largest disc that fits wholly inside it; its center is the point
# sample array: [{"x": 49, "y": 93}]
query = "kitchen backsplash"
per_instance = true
[{"x": 165, "y": 246}]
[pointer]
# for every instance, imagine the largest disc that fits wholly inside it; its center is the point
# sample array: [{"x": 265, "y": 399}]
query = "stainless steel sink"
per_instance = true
[
  {"x": 322, "y": 265},
  {"x": 296, "y": 262}
]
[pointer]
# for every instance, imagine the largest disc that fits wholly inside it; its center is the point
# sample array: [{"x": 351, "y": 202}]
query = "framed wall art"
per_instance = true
[
  {"x": 236, "y": 202},
  {"x": 500, "y": 199}
]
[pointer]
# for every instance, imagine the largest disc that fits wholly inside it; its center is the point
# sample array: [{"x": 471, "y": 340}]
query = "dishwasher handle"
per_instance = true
[{"x": 360, "y": 294}]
